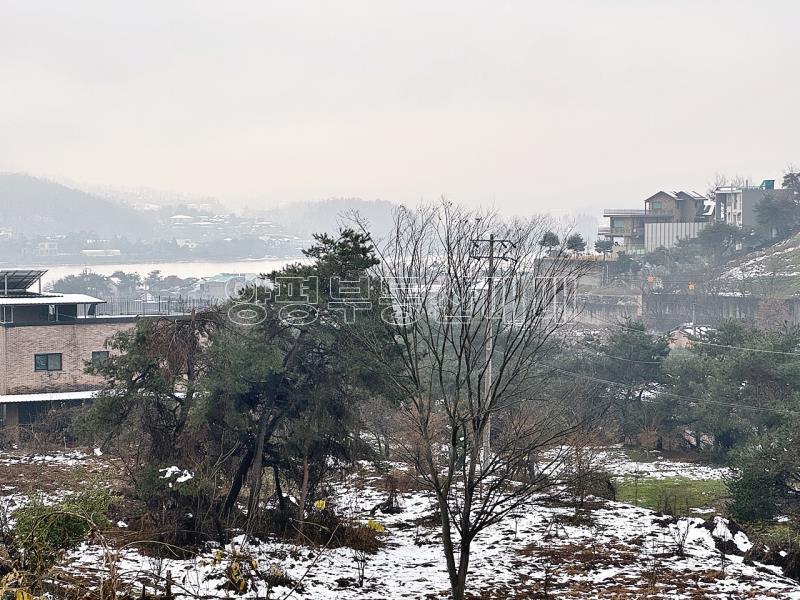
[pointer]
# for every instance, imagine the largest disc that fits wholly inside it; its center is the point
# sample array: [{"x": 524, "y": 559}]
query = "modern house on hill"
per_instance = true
[
  {"x": 736, "y": 205},
  {"x": 666, "y": 218}
]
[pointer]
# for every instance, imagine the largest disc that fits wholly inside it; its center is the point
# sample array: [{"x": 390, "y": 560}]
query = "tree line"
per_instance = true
[
  {"x": 270, "y": 398},
  {"x": 732, "y": 393}
]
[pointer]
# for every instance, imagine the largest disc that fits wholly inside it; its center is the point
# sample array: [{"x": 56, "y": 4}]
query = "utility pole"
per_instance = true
[{"x": 486, "y": 443}]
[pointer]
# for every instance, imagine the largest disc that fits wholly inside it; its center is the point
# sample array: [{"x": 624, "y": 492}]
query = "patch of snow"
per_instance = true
[
  {"x": 183, "y": 474},
  {"x": 614, "y": 461},
  {"x": 65, "y": 459}
]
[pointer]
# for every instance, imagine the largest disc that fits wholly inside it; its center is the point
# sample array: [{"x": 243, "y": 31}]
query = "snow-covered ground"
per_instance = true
[
  {"x": 624, "y": 551},
  {"x": 617, "y": 463},
  {"x": 780, "y": 260},
  {"x": 66, "y": 459},
  {"x": 620, "y": 551}
]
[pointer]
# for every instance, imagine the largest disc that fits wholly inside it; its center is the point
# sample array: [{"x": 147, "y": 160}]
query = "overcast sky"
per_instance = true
[{"x": 527, "y": 105}]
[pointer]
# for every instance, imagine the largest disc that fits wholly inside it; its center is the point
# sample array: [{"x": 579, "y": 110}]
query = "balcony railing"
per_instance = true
[
  {"x": 624, "y": 212},
  {"x": 616, "y": 231}
]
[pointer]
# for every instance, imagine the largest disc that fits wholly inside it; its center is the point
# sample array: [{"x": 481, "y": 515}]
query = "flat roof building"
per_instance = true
[
  {"x": 46, "y": 340},
  {"x": 736, "y": 205}
]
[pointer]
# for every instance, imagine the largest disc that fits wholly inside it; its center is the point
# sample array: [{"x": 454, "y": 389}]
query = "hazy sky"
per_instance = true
[{"x": 527, "y": 105}]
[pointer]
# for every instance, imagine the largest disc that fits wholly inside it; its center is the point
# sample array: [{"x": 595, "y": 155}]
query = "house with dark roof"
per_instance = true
[{"x": 628, "y": 228}]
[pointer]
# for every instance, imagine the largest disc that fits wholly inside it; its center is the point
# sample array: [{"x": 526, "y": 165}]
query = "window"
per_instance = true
[
  {"x": 47, "y": 362},
  {"x": 655, "y": 206},
  {"x": 99, "y": 357}
]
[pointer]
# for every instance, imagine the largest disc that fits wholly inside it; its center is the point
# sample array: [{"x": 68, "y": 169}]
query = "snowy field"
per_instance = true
[
  {"x": 780, "y": 260},
  {"x": 617, "y": 551},
  {"x": 615, "y": 461}
]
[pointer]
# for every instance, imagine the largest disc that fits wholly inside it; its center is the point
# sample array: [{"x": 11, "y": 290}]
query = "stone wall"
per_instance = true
[
  {"x": 600, "y": 310},
  {"x": 668, "y": 310}
]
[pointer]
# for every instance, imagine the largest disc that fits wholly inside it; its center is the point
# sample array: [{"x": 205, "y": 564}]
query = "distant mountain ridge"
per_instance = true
[
  {"x": 34, "y": 206},
  {"x": 306, "y": 218}
]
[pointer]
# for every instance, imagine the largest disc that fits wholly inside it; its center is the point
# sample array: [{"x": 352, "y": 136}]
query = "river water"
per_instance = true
[{"x": 181, "y": 269}]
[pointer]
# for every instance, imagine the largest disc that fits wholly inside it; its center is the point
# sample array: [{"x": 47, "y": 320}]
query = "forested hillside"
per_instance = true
[{"x": 33, "y": 206}]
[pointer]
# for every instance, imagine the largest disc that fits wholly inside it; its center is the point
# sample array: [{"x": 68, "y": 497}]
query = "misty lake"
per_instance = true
[{"x": 182, "y": 269}]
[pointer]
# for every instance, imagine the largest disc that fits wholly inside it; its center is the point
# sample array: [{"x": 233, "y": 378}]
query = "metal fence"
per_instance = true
[{"x": 167, "y": 305}]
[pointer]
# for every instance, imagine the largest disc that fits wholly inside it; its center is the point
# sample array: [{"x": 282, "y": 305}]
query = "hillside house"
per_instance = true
[
  {"x": 736, "y": 205},
  {"x": 628, "y": 228}
]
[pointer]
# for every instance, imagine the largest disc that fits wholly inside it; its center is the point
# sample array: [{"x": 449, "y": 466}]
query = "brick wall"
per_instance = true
[{"x": 75, "y": 343}]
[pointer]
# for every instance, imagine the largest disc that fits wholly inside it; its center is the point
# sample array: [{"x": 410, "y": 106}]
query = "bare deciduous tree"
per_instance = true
[{"x": 473, "y": 307}]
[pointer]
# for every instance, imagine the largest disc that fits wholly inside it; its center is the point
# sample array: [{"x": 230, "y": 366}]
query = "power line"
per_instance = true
[
  {"x": 726, "y": 346},
  {"x": 630, "y": 360},
  {"x": 689, "y": 398},
  {"x": 748, "y": 349}
]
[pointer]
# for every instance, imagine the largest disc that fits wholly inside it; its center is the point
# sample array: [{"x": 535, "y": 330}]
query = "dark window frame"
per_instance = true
[
  {"x": 99, "y": 357},
  {"x": 49, "y": 361}
]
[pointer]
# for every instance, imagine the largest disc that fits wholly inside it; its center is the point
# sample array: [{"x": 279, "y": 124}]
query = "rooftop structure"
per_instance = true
[
  {"x": 19, "y": 305},
  {"x": 17, "y": 281}
]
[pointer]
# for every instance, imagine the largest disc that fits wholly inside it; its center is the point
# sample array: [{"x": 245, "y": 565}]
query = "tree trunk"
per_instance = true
[
  {"x": 278, "y": 491},
  {"x": 459, "y": 582},
  {"x": 238, "y": 480},
  {"x": 258, "y": 461},
  {"x": 463, "y": 568},
  {"x": 244, "y": 467},
  {"x": 301, "y": 510},
  {"x": 386, "y": 451},
  {"x": 447, "y": 543}
]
